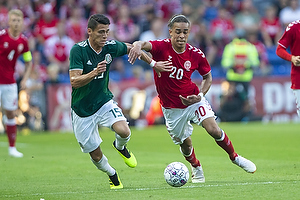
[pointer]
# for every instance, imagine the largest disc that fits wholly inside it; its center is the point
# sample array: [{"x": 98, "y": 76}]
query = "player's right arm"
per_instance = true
[
  {"x": 137, "y": 52},
  {"x": 78, "y": 79},
  {"x": 282, "y": 53}
]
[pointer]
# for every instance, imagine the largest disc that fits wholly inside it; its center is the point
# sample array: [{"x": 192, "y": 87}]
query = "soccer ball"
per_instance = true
[{"x": 176, "y": 174}]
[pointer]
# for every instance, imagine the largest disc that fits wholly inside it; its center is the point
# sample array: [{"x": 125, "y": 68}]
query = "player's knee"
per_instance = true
[{"x": 214, "y": 131}]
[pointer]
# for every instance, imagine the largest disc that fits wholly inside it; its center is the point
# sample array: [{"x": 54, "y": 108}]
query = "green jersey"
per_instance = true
[{"x": 89, "y": 98}]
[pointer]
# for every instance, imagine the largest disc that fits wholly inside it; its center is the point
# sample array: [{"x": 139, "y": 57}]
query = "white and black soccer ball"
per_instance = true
[{"x": 176, "y": 174}]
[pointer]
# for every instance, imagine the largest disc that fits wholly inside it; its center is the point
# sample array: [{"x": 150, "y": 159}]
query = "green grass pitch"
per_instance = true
[{"x": 53, "y": 166}]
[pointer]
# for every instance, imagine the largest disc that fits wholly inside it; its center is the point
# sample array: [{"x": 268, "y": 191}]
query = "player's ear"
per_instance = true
[
  {"x": 170, "y": 32},
  {"x": 89, "y": 31}
]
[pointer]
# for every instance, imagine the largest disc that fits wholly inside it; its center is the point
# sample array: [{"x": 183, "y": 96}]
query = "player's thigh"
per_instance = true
[
  {"x": 109, "y": 114},
  {"x": 86, "y": 132},
  {"x": 297, "y": 96},
  {"x": 200, "y": 111},
  {"x": 178, "y": 124},
  {"x": 9, "y": 96}
]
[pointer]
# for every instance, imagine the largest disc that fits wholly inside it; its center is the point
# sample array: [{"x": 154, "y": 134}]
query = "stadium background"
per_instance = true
[{"x": 46, "y": 104}]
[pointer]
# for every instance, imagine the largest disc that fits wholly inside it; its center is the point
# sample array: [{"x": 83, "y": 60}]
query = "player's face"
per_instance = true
[
  {"x": 98, "y": 37},
  {"x": 15, "y": 23},
  {"x": 179, "y": 35}
]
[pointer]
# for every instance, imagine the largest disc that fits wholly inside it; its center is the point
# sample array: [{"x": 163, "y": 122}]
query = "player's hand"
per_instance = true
[
  {"x": 23, "y": 84},
  {"x": 101, "y": 67},
  {"x": 296, "y": 60},
  {"x": 189, "y": 100},
  {"x": 162, "y": 66},
  {"x": 134, "y": 53}
]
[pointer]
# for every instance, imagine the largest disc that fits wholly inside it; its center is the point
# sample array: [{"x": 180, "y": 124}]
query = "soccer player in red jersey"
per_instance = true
[
  {"x": 290, "y": 38},
  {"x": 12, "y": 44},
  {"x": 182, "y": 101}
]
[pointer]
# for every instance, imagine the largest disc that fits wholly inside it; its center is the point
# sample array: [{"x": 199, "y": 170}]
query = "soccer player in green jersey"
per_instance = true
[{"x": 92, "y": 103}]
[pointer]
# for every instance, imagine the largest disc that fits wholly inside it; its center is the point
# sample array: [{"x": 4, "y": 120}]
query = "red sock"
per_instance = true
[
  {"x": 11, "y": 131},
  {"x": 192, "y": 159},
  {"x": 227, "y": 146}
]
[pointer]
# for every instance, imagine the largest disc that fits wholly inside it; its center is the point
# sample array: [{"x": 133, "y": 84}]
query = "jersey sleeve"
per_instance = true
[
  {"x": 287, "y": 37},
  {"x": 156, "y": 47},
  {"x": 203, "y": 66},
  {"x": 76, "y": 58},
  {"x": 120, "y": 48}
]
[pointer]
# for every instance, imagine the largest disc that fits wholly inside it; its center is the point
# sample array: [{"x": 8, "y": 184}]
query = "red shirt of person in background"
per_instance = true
[
  {"x": 270, "y": 27},
  {"x": 46, "y": 25}
]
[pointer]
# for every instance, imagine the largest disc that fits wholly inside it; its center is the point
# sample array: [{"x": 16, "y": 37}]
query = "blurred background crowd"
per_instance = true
[{"x": 54, "y": 26}]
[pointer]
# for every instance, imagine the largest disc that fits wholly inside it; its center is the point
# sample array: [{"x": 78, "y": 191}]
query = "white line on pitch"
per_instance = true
[{"x": 146, "y": 189}]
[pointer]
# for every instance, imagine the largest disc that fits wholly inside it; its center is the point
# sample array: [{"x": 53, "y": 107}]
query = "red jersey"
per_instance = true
[
  {"x": 46, "y": 29},
  {"x": 178, "y": 81},
  {"x": 271, "y": 27},
  {"x": 291, "y": 38},
  {"x": 10, "y": 49}
]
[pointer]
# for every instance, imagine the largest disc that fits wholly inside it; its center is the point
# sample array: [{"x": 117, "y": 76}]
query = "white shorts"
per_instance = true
[
  {"x": 178, "y": 120},
  {"x": 9, "y": 96},
  {"x": 297, "y": 96},
  {"x": 86, "y": 128}
]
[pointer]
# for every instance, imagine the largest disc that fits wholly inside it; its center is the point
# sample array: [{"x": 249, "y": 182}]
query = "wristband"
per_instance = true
[
  {"x": 201, "y": 95},
  {"x": 152, "y": 64}
]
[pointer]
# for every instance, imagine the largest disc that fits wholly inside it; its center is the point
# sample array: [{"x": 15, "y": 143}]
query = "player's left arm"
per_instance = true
[
  {"x": 28, "y": 67},
  {"x": 205, "y": 85}
]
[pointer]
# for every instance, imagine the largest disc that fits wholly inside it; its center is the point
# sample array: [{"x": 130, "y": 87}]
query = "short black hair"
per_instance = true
[
  {"x": 178, "y": 18},
  {"x": 96, "y": 19}
]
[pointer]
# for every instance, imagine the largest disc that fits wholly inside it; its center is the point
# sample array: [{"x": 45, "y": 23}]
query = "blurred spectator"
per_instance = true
[
  {"x": 53, "y": 74},
  {"x": 76, "y": 25},
  {"x": 155, "y": 115},
  {"x": 264, "y": 66},
  {"x": 125, "y": 29},
  {"x": 156, "y": 32},
  {"x": 39, "y": 66},
  {"x": 247, "y": 20},
  {"x": 45, "y": 27},
  {"x": 211, "y": 10},
  {"x": 280, "y": 4},
  {"x": 233, "y": 103},
  {"x": 3, "y": 14},
  {"x": 166, "y": 9},
  {"x": 139, "y": 10},
  {"x": 66, "y": 9},
  {"x": 290, "y": 13},
  {"x": 37, "y": 101},
  {"x": 200, "y": 38},
  {"x": 190, "y": 8},
  {"x": 57, "y": 49},
  {"x": 232, "y": 6},
  {"x": 112, "y": 8},
  {"x": 270, "y": 27},
  {"x": 222, "y": 29},
  {"x": 98, "y": 7},
  {"x": 239, "y": 59}
]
